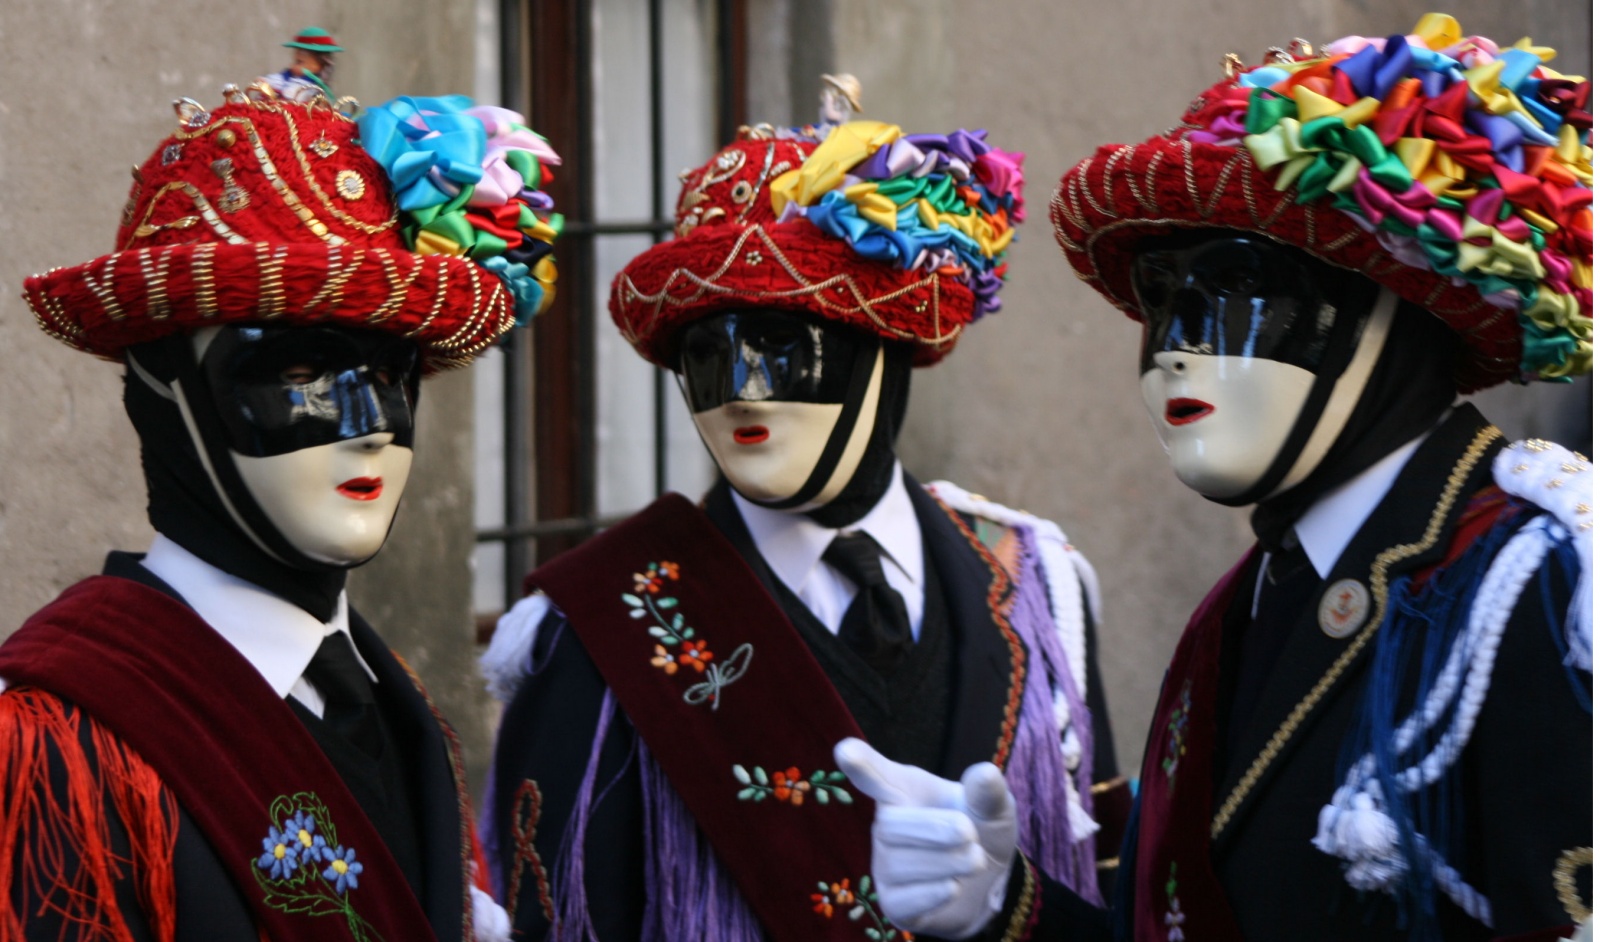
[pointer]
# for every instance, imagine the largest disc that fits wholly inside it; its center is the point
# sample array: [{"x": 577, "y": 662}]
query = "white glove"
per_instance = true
[{"x": 941, "y": 850}]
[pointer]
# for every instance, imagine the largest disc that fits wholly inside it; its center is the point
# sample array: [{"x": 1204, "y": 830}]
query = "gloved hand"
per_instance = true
[{"x": 941, "y": 850}]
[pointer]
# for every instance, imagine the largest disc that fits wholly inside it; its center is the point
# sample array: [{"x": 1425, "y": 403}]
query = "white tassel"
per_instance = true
[
  {"x": 1356, "y": 829},
  {"x": 507, "y": 662},
  {"x": 1537, "y": 471},
  {"x": 489, "y": 920}
]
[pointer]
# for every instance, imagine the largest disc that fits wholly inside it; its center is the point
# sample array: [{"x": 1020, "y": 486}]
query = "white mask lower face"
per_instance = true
[
  {"x": 768, "y": 450},
  {"x": 334, "y": 503},
  {"x": 1224, "y": 419}
]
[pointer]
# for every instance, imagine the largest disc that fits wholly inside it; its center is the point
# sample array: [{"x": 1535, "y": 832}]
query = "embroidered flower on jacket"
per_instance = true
[
  {"x": 788, "y": 785},
  {"x": 695, "y": 655},
  {"x": 862, "y": 902},
  {"x": 654, "y": 576},
  {"x": 342, "y": 868},
  {"x": 280, "y": 853},
  {"x": 664, "y": 660},
  {"x": 302, "y": 829}
]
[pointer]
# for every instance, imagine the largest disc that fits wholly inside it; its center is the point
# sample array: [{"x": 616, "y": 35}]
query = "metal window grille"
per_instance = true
[{"x": 552, "y": 52}]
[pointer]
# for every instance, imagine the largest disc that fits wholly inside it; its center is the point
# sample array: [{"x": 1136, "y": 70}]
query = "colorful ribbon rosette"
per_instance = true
[
  {"x": 468, "y": 180},
  {"x": 900, "y": 235},
  {"x": 1453, "y": 171},
  {"x": 267, "y": 210}
]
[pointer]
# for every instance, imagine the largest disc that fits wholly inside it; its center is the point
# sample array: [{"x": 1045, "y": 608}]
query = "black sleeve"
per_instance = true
[
  {"x": 1112, "y": 796},
  {"x": 1529, "y": 791},
  {"x": 541, "y": 756},
  {"x": 1038, "y": 908}
]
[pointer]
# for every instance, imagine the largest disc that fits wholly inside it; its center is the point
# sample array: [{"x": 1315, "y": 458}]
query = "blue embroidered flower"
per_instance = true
[
  {"x": 301, "y": 829},
  {"x": 342, "y": 868},
  {"x": 280, "y": 853}
]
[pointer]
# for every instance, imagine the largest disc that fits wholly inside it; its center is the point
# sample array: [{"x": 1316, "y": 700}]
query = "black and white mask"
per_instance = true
[
  {"x": 1254, "y": 356},
  {"x": 787, "y": 404}
]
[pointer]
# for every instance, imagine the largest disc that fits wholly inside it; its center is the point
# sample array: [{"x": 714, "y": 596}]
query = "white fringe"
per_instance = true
[
  {"x": 1537, "y": 471},
  {"x": 507, "y": 662},
  {"x": 490, "y": 923}
]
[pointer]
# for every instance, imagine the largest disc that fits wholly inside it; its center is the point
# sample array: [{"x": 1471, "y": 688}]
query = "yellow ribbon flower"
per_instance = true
[
  {"x": 846, "y": 146},
  {"x": 1501, "y": 256}
]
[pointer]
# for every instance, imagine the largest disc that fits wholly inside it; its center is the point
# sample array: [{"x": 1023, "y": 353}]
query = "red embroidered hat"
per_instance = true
[
  {"x": 271, "y": 211},
  {"x": 1453, "y": 172},
  {"x": 897, "y": 235}
]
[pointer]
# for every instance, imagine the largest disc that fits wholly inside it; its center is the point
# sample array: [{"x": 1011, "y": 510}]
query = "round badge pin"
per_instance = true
[{"x": 1344, "y": 608}]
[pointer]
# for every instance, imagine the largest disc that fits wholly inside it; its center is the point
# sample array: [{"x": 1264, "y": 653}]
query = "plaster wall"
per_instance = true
[
  {"x": 1039, "y": 407},
  {"x": 85, "y": 87}
]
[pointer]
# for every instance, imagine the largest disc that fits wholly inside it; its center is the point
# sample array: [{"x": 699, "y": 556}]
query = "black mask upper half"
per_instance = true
[
  {"x": 281, "y": 389},
  {"x": 196, "y": 497},
  {"x": 761, "y": 354},
  {"x": 767, "y": 355},
  {"x": 1231, "y": 294}
]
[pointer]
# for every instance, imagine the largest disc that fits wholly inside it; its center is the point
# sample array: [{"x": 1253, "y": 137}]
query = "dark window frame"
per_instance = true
[{"x": 550, "y": 371}]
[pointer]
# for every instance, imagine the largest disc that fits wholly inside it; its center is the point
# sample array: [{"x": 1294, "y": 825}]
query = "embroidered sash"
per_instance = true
[
  {"x": 734, "y": 708},
  {"x": 293, "y": 839},
  {"x": 1177, "y": 894}
]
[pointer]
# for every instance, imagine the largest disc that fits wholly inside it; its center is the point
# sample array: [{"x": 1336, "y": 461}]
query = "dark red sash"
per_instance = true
[
  {"x": 735, "y": 709},
  {"x": 152, "y": 672},
  {"x": 1175, "y": 886}
]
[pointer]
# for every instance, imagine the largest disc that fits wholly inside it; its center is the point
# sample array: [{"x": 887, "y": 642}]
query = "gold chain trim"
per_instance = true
[
  {"x": 322, "y": 196},
  {"x": 1566, "y": 880},
  {"x": 203, "y": 276},
  {"x": 1380, "y": 603}
]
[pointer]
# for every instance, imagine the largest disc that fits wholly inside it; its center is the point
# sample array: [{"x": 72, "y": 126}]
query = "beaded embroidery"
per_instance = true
[
  {"x": 788, "y": 785},
  {"x": 861, "y": 902},
  {"x": 675, "y": 645}
]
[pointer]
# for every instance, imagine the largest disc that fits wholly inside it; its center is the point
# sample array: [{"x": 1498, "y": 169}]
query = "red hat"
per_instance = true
[
  {"x": 897, "y": 235},
  {"x": 1446, "y": 169},
  {"x": 266, "y": 210}
]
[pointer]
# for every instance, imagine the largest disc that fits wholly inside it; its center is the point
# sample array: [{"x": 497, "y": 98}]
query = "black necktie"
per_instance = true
[
  {"x": 875, "y": 625},
  {"x": 347, "y": 701}
]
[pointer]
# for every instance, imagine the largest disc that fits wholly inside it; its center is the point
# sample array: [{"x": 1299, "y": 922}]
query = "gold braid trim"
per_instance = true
[
  {"x": 1023, "y": 914},
  {"x": 1380, "y": 604},
  {"x": 1566, "y": 880}
]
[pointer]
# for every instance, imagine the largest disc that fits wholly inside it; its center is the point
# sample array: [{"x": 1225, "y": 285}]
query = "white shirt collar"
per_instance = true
[
  {"x": 793, "y": 543},
  {"x": 276, "y": 636},
  {"x": 1328, "y": 527}
]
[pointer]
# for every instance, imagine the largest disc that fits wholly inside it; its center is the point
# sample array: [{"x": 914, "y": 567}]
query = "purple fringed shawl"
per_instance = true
[{"x": 691, "y": 896}]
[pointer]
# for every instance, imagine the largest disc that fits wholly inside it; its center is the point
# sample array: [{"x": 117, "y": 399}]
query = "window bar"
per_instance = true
[{"x": 658, "y": 212}]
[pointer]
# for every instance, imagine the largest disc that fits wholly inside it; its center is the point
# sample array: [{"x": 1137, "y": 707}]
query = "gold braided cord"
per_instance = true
[
  {"x": 1566, "y": 880},
  {"x": 1379, "y": 579},
  {"x": 1023, "y": 913}
]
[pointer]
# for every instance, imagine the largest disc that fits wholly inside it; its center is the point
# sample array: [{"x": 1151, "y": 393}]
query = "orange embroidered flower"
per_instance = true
[
  {"x": 842, "y": 894},
  {"x": 820, "y": 903},
  {"x": 670, "y": 570},
  {"x": 790, "y": 786},
  {"x": 695, "y": 655},
  {"x": 646, "y": 582},
  {"x": 663, "y": 660}
]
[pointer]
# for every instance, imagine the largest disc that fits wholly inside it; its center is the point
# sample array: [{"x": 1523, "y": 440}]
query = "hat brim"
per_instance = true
[
  {"x": 787, "y": 266},
  {"x": 450, "y": 306},
  {"x": 1123, "y": 194},
  {"x": 313, "y": 47}
]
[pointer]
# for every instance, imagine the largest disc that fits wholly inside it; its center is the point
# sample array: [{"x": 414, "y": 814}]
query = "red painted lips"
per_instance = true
[
  {"x": 362, "y": 488},
  {"x": 1184, "y": 411},
  {"x": 750, "y": 434}
]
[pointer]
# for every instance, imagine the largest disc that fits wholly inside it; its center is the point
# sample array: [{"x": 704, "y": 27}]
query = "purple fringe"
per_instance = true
[
  {"x": 1035, "y": 770},
  {"x": 571, "y": 896},
  {"x": 688, "y": 893}
]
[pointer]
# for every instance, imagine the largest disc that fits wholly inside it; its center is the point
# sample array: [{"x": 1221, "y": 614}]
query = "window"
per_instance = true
[{"x": 574, "y": 430}]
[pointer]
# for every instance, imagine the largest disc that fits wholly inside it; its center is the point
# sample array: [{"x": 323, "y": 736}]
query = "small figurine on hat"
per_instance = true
[
  {"x": 1378, "y": 724},
  {"x": 311, "y": 72},
  {"x": 676, "y": 685},
  {"x": 206, "y": 741}
]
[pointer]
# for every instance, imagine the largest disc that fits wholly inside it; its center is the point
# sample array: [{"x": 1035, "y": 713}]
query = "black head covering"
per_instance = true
[
  {"x": 876, "y": 470},
  {"x": 190, "y": 492},
  {"x": 1411, "y": 386}
]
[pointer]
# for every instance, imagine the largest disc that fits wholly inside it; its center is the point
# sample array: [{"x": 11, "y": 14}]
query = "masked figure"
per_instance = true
[
  {"x": 205, "y": 741},
  {"x": 1377, "y": 725},
  {"x": 676, "y": 685}
]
